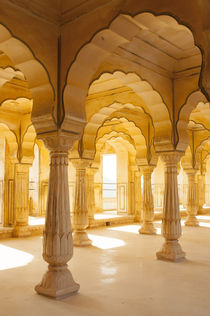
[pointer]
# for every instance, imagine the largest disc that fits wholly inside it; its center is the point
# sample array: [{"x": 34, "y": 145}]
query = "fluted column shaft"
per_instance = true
[
  {"x": 131, "y": 190},
  {"x": 148, "y": 204},
  {"x": 80, "y": 212},
  {"x": 171, "y": 222},
  {"x": 191, "y": 199},
  {"x": 138, "y": 195},
  {"x": 91, "y": 194},
  {"x": 201, "y": 193},
  {"x": 57, "y": 242},
  {"x": 21, "y": 200}
]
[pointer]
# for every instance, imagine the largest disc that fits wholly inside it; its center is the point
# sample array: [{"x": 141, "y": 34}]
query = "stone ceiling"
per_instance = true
[{"x": 58, "y": 11}]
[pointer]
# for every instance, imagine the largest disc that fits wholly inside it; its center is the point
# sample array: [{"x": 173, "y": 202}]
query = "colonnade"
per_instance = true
[
  {"x": 141, "y": 203},
  {"x": 58, "y": 239}
]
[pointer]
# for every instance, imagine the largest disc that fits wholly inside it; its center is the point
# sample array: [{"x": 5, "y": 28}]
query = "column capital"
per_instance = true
[
  {"x": 190, "y": 171},
  {"x": 22, "y": 167},
  {"x": 133, "y": 167},
  {"x": 148, "y": 169},
  {"x": 81, "y": 163},
  {"x": 138, "y": 173},
  {"x": 58, "y": 141},
  {"x": 91, "y": 171},
  {"x": 203, "y": 168},
  {"x": 171, "y": 157}
]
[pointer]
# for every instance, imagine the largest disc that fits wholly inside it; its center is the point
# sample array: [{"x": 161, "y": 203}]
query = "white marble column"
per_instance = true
[
  {"x": 58, "y": 282},
  {"x": 138, "y": 195},
  {"x": 148, "y": 204},
  {"x": 21, "y": 200},
  {"x": 80, "y": 212},
  {"x": 131, "y": 190},
  {"x": 171, "y": 222},
  {"x": 201, "y": 193},
  {"x": 191, "y": 199},
  {"x": 91, "y": 194}
]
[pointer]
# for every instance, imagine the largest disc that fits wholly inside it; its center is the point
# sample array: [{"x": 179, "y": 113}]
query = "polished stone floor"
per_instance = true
[{"x": 118, "y": 275}]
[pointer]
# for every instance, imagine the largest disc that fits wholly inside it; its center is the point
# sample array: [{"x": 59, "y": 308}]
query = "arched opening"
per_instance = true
[
  {"x": 25, "y": 88},
  {"x": 207, "y": 183},
  {"x": 8, "y": 154},
  {"x": 34, "y": 184},
  {"x": 109, "y": 167},
  {"x": 156, "y": 48}
]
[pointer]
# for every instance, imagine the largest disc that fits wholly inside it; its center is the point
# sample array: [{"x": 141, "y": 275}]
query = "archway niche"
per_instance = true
[
  {"x": 34, "y": 184},
  {"x": 132, "y": 44}
]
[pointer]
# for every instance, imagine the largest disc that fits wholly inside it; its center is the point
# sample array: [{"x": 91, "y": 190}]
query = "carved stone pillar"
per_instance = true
[
  {"x": 191, "y": 199},
  {"x": 201, "y": 193},
  {"x": 138, "y": 195},
  {"x": 131, "y": 190},
  {"x": 21, "y": 200},
  {"x": 91, "y": 194},
  {"x": 58, "y": 282},
  {"x": 148, "y": 204},
  {"x": 171, "y": 222},
  {"x": 80, "y": 212}
]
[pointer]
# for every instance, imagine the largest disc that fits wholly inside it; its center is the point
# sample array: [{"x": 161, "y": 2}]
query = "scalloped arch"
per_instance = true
[
  {"x": 98, "y": 119},
  {"x": 12, "y": 139},
  {"x": 184, "y": 114},
  {"x": 125, "y": 140},
  {"x": 151, "y": 101},
  {"x": 122, "y": 30},
  {"x": 128, "y": 128},
  {"x": 202, "y": 143},
  {"x": 35, "y": 73}
]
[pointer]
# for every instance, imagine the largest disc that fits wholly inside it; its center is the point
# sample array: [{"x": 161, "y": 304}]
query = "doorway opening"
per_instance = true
[{"x": 109, "y": 182}]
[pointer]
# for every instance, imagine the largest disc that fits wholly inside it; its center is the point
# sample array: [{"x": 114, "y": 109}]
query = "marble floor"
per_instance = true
[{"x": 118, "y": 275}]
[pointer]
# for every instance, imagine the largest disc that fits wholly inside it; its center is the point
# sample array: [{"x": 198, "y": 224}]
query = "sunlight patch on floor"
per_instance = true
[
  {"x": 128, "y": 228},
  {"x": 105, "y": 242},
  {"x": 203, "y": 224},
  {"x": 132, "y": 229},
  {"x": 106, "y": 216},
  {"x": 13, "y": 258}
]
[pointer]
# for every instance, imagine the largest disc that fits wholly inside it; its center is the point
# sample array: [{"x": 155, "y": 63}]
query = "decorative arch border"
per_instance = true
[
  {"x": 35, "y": 72},
  {"x": 66, "y": 93}
]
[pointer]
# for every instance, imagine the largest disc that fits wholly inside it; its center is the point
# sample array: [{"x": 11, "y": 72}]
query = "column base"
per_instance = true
[
  {"x": 147, "y": 228},
  {"x": 21, "y": 231},
  {"x": 91, "y": 220},
  {"x": 57, "y": 283},
  {"x": 191, "y": 221},
  {"x": 80, "y": 238},
  {"x": 138, "y": 218},
  {"x": 201, "y": 211},
  {"x": 171, "y": 251}
]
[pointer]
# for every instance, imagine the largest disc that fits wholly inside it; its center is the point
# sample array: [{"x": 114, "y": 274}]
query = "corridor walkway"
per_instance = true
[{"x": 119, "y": 275}]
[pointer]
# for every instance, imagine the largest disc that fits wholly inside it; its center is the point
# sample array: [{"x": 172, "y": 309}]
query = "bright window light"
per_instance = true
[
  {"x": 105, "y": 242},
  {"x": 109, "y": 176},
  {"x": 13, "y": 258},
  {"x": 33, "y": 221}
]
